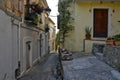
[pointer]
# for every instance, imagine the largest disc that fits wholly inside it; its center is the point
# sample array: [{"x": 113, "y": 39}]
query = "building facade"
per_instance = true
[
  {"x": 52, "y": 35},
  {"x": 101, "y": 16},
  {"x": 24, "y": 38}
]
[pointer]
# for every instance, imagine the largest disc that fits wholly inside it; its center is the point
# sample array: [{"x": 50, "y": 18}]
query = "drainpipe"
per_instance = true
[
  {"x": 19, "y": 43},
  {"x": 17, "y": 71},
  {"x": 19, "y": 31}
]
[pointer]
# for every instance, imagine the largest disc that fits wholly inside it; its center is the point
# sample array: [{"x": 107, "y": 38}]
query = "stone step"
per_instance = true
[{"x": 99, "y": 55}]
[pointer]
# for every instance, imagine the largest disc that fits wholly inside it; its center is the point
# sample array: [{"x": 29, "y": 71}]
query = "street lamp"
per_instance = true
[
  {"x": 47, "y": 9},
  {"x": 39, "y": 9}
]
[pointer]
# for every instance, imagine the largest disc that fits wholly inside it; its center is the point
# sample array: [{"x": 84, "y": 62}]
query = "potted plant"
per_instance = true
[
  {"x": 117, "y": 39},
  {"x": 88, "y": 33},
  {"x": 110, "y": 41}
]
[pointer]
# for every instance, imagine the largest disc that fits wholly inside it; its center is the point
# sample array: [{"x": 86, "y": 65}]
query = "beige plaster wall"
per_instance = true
[{"x": 83, "y": 16}]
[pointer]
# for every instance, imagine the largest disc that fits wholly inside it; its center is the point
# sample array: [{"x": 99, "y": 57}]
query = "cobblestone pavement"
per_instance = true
[
  {"x": 42, "y": 71},
  {"x": 84, "y": 67}
]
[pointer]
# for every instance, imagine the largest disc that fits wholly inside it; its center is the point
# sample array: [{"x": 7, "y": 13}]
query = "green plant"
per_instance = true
[
  {"x": 117, "y": 37},
  {"x": 110, "y": 38},
  {"x": 35, "y": 20},
  {"x": 88, "y": 30},
  {"x": 65, "y": 19}
]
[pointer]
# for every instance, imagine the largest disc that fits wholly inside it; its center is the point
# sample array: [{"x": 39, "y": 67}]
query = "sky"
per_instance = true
[{"x": 53, "y": 4}]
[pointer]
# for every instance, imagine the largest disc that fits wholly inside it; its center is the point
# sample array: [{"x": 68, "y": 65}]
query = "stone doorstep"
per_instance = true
[{"x": 116, "y": 74}]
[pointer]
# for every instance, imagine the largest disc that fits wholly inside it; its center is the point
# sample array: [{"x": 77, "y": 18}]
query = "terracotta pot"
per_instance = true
[
  {"x": 110, "y": 42},
  {"x": 117, "y": 43},
  {"x": 88, "y": 37}
]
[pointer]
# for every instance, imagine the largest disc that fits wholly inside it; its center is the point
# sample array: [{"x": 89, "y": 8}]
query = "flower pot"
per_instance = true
[
  {"x": 88, "y": 37},
  {"x": 117, "y": 43},
  {"x": 110, "y": 42}
]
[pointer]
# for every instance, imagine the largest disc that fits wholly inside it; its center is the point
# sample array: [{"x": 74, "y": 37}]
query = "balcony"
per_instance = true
[{"x": 31, "y": 13}]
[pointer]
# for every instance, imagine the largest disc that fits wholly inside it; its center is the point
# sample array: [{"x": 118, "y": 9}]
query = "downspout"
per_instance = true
[
  {"x": 19, "y": 31},
  {"x": 19, "y": 43},
  {"x": 17, "y": 71}
]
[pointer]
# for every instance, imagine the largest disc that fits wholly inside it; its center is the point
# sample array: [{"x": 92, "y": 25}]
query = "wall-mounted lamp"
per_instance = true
[
  {"x": 89, "y": 10},
  {"x": 112, "y": 2},
  {"x": 113, "y": 10},
  {"x": 119, "y": 21},
  {"x": 90, "y": 7},
  {"x": 101, "y": 2},
  {"x": 47, "y": 9},
  {"x": 40, "y": 9}
]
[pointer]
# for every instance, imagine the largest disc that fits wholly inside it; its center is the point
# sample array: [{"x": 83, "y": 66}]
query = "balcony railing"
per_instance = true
[{"x": 31, "y": 12}]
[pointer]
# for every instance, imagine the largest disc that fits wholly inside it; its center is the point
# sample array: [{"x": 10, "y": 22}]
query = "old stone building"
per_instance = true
[{"x": 24, "y": 38}]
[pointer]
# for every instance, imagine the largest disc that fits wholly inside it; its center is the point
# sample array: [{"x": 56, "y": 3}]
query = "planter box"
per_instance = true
[
  {"x": 110, "y": 42},
  {"x": 117, "y": 43},
  {"x": 88, "y": 37}
]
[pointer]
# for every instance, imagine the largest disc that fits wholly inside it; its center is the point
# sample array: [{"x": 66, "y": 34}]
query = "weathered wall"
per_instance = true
[
  {"x": 51, "y": 36},
  {"x": 83, "y": 16},
  {"x": 43, "y": 44},
  {"x": 29, "y": 35},
  {"x": 111, "y": 56},
  {"x": 8, "y": 47}
]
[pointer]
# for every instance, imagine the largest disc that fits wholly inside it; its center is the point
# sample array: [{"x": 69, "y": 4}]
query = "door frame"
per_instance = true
[
  {"x": 28, "y": 54},
  {"x": 27, "y": 39},
  {"x": 109, "y": 22}
]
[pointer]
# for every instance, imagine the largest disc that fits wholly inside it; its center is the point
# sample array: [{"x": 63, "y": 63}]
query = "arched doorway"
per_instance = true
[{"x": 28, "y": 50}]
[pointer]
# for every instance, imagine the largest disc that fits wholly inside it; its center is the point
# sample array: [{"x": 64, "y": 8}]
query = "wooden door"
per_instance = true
[
  {"x": 100, "y": 23},
  {"x": 28, "y": 55}
]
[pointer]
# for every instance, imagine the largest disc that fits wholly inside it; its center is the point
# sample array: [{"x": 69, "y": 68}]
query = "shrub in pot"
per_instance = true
[
  {"x": 110, "y": 41},
  {"x": 88, "y": 33},
  {"x": 117, "y": 40}
]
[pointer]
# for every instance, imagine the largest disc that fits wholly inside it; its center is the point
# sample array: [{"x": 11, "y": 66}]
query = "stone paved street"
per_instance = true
[
  {"x": 86, "y": 68},
  {"x": 43, "y": 71},
  {"x": 82, "y": 67}
]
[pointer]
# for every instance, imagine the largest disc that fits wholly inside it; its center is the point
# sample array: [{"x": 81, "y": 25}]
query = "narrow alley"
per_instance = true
[
  {"x": 86, "y": 67},
  {"x": 59, "y": 39},
  {"x": 43, "y": 70},
  {"x": 82, "y": 67}
]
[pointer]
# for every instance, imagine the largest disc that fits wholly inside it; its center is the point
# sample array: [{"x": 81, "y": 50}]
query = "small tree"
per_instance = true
[{"x": 65, "y": 19}]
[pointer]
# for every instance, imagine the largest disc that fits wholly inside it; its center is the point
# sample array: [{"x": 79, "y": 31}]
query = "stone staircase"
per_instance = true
[{"x": 97, "y": 50}]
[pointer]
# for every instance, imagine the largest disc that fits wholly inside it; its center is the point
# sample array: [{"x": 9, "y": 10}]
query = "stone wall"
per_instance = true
[
  {"x": 97, "y": 48},
  {"x": 112, "y": 55},
  {"x": 107, "y": 53}
]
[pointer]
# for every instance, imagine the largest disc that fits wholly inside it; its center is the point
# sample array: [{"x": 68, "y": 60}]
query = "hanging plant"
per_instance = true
[
  {"x": 34, "y": 8},
  {"x": 37, "y": 8}
]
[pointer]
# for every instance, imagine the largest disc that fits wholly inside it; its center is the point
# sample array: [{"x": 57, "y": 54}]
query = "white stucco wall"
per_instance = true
[
  {"x": 8, "y": 48},
  {"x": 9, "y": 45},
  {"x": 43, "y": 52},
  {"x": 29, "y": 35}
]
